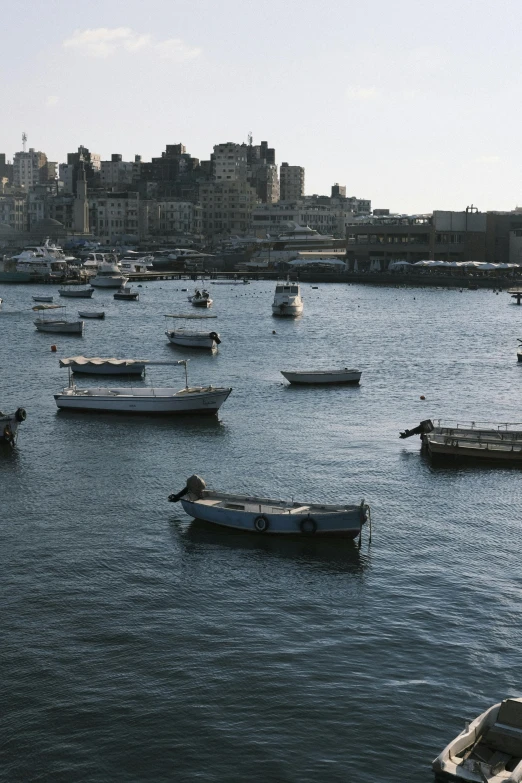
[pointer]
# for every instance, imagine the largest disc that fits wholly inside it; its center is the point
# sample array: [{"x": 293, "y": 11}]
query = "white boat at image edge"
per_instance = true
[
  {"x": 489, "y": 750},
  {"x": 263, "y": 515},
  {"x": 163, "y": 401},
  {"x": 9, "y": 423},
  {"x": 469, "y": 441},
  {"x": 58, "y": 325},
  {"x": 193, "y": 338},
  {"x": 323, "y": 376},
  {"x": 287, "y": 299}
]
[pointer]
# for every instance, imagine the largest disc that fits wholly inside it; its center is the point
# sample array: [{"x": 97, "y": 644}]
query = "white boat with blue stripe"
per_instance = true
[{"x": 268, "y": 516}]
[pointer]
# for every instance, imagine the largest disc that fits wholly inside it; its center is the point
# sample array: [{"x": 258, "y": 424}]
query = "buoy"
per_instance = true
[
  {"x": 274, "y": 331},
  {"x": 422, "y": 397},
  {"x": 53, "y": 348}
]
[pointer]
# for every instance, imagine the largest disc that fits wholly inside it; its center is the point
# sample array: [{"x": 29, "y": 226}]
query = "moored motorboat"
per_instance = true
[
  {"x": 91, "y": 313},
  {"x": 287, "y": 299},
  {"x": 263, "y": 515},
  {"x": 165, "y": 401},
  {"x": 488, "y": 750},
  {"x": 500, "y": 443},
  {"x": 126, "y": 292},
  {"x": 59, "y": 325},
  {"x": 193, "y": 338},
  {"x": 201, "y": 298},
  {"x": 9, "y": 423},
  {"x": 108, "y": 275},
  {"x": 76, "y": 291},
  {"x": 323, "y": 376}
]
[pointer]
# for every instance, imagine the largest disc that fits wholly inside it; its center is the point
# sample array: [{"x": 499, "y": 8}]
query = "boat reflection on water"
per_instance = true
[
  {"x": 332, "y": 555},
  {"x": 135, "y": 423}
]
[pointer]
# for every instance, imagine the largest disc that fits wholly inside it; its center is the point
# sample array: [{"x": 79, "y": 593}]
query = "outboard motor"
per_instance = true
[
  {"x": 424, "y": 427},
  {"x": 214, "y": 336},
  {"x": 195, "y": 486}
]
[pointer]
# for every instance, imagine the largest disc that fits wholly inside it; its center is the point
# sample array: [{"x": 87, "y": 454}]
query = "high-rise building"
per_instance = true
[
  {"x": 89, "y": 161},
  {"x": 230, "y": 162},
  {"x": 227, "y": 207},
  {"x": 338, "y": 191},
  {"x": 6, "y": 168},
  {"x": 292, "y": 182},
  {"x": 27, "y": 168}
]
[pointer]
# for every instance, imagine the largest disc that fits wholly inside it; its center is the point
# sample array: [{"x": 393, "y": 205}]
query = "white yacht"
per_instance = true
[
  {"x": 287, "y": 299},
  {"x": 298, "y": 237},
  {"x": 109, "y": 275},
  {"x": 94, "y": 259},
  {"x": 42, "y": 260},
  {"x": 140, "y": 264}
]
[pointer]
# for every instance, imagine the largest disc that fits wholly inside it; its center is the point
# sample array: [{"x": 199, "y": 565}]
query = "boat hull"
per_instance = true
[
  {"x": 87, "y": 314},
  {"x": 201, "y": 302},
  {"x": 115, "y": 281},
  {"x": 77, "y": 294},
  {"x": 286, "y": 310},
  {"x": 346, "y": 524},
  {"x": 336, "y": 376},
  {"x": 42, "y": 298},
  {"x": 8, "y": 429},
  {"x": 60, "y": 327},
  {"x": 121, "y": 401},
  {"x": 129, "y": 297},
  {"x": 465, "y": 448},
  {"x": 194, "y": 340}
]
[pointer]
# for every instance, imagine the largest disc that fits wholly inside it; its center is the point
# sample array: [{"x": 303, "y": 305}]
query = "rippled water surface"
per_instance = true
[{"x": 140, "y": 646}]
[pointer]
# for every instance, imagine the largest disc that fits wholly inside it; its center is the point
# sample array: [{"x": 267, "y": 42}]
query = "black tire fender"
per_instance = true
[
  {"x": 308, "y": 525},
  {"x": 261, "y": 523}
]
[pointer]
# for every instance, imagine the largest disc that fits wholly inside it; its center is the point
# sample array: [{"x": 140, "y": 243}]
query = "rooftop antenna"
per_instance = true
[
  {"x": 24, "y": 140},
  {"x": 250, "y": 138}
]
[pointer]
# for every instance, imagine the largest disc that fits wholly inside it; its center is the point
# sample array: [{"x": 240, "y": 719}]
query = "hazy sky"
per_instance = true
[{"x": 413, "y": 104}]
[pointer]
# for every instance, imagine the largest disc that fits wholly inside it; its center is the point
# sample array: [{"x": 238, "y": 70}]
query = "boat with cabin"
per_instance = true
[
  {"x": 297, "y": 237},
  {"x": 164, "y": 401},
  {"x": 50, "y": 322},
  {"x": 109, "y": 275},
  {"x": 268, "y": 516},
  {"x": 9, "y": 423},
  {"x": 454, "y": 440},
  {"x": 287, "y": 299},
  {"x": 323, "y": 376},
  {"x": 488, "y": 750},
  {"x": 47, "y": 260},
  {"x": 126, "y": 293}
]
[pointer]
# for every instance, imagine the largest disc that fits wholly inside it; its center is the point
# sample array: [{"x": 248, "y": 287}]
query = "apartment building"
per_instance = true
[
  {"x": 227, "y": 207},
  {"x": 28, "y": 168},
  {"x": 291, "y": 182}
]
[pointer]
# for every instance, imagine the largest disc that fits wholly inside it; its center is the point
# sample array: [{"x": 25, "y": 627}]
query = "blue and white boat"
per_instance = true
[{"x": 264, "y": 515}]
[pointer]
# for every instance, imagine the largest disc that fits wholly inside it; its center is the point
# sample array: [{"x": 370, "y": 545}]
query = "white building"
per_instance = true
[
  {"x": 26, "y": 168},
  {"x": 270, "y": 219},
  {"x": 230, "y": 162}
]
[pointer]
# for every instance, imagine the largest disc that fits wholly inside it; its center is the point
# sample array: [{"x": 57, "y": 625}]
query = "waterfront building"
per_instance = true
[
  {"x": 372, "y": 242},
  {"x": 291, "y": 182},
  {"x": 119, "y": 173},
  {"x": 29, "y": 168},
  {"x": 272, "y": 219}
]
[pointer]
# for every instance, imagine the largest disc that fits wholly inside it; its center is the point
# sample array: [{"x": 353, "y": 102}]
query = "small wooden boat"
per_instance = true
[
  {"x": 193, "y": 338},
  {"x": 201, "y": 298},
  {"x": 459, "y": 441},
  {"x": 126, "y": 292},
  {"x": 77, "y": 292},
  {"x": 145, "y": 400},
  {"x": 42, "y": 298},
  {"x": 57, "y": 325},
  {"x": 263, "y": 515},
  {"x": 91, "y": 313},
  {"x": 323, "y": 376},
  {"x": 9, "y": 423},
  {"x": 488, "y": 750}
]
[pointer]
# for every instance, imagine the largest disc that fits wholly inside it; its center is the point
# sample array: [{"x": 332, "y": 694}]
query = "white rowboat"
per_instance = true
[{"x": 323, "y": 376}]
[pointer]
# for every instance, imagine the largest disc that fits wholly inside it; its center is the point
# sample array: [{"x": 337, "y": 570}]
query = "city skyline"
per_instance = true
[{"x": 412, "y": 106}]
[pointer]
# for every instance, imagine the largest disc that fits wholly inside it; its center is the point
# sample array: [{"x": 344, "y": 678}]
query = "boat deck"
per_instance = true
[
  {"x": 254, "y": 505},
  {"x": 139, "y": 392}
]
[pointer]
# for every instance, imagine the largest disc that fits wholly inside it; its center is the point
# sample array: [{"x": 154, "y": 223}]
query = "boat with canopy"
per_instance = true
[
  {"x": 54, "y": 324},
  {"x": 99, "y": 366}
]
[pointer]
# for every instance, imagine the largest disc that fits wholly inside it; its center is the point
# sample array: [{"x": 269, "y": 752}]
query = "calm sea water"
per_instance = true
[{"x": 137, "y": 645}]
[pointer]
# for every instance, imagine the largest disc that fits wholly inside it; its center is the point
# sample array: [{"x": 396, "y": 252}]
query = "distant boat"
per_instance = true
[
  {"x": 42, "y": 298},
  {"x": 193, "y": 338},
  {"x": 108, "y": 275},
  {"x": 9, "y": 423},
  {"x": 287, "y": 299},
  {"x": 201, "y": 298},
  {"x": 59, "y": 325},
  {"x": 488, "y": 750},
  {"x": 323, "y": 376},
  {"x": 91, "y": 313},
  {"x": 76, "y": 291},
  {"x": 267, "y": 516},
  {"x": 126, "y": 292}
]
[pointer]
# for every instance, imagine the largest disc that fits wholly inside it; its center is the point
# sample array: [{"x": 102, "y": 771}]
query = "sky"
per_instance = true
[{"x": 413, "y": 104}]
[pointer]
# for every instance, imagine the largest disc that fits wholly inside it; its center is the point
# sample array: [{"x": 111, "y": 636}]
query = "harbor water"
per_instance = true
[{"x": 140, "y": 646}]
